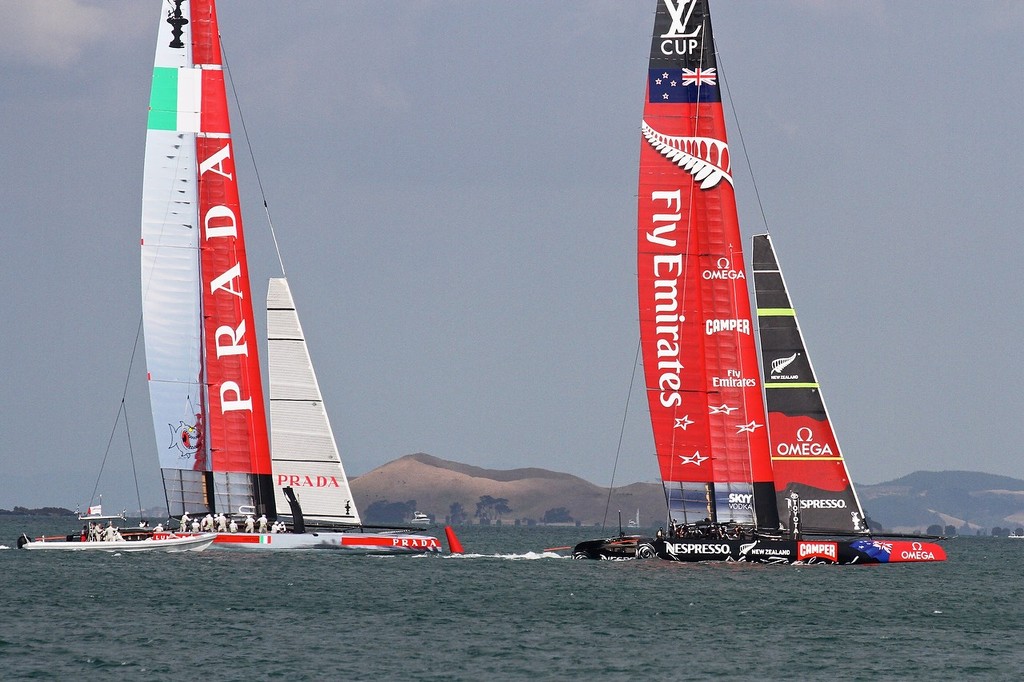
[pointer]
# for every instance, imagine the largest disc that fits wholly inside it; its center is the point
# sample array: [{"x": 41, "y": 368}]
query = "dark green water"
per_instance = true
[{"x": 504, "y": 611}]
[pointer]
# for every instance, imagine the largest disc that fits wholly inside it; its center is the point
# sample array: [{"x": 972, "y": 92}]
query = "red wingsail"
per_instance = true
[{"x": 697, "y": 336}]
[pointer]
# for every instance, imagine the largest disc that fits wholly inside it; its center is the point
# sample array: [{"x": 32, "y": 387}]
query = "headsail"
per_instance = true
[
  {"x": 201, "y": 351},
  {"x": 305, "y": 453},
  {"x": 805, "y": 453},
  {"x": 700, "y": 361}
]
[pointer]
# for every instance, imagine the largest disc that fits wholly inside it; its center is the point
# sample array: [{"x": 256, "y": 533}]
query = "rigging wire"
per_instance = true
[
  {"x": 122, "y": 410},
  {"x": 622, "y": 430},
  {"x": 135, "y": 474},
  {"x": 760, "y": 207},
  {"x": 252, "y": 156},
  {"x": 739, "y": 133},
  {"x": 742, "y": 470}
]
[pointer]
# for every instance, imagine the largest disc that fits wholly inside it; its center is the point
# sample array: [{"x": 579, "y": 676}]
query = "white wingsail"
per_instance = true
[{"x": 170, "y": 279}]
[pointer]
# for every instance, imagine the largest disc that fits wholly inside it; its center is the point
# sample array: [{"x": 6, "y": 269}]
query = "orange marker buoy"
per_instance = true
[{"x": 454, "y": 546}]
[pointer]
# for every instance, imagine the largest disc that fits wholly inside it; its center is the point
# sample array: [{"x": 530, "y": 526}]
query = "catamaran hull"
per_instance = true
[
  {"x": 618, "y": 548},
  {"x": 845, "y": 552},
  {"x": 353, "y": 543},
  {"x": 173, "y": 543}
]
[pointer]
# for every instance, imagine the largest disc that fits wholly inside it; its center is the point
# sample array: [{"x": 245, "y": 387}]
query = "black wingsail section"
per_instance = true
[{"x": 810, "y": 473}]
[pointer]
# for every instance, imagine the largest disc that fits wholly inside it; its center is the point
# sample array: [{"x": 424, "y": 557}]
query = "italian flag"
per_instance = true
[{"x": 175, "y": 102}]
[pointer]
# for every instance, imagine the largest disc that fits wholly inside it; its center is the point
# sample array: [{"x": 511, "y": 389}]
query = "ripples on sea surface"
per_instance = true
[{"x": 506, "y": 610}]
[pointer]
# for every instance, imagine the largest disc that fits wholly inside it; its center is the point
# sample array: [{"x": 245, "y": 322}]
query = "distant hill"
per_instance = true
[
  {"x": 435, "y": 484},
  {"x": 969, "y": 501}
]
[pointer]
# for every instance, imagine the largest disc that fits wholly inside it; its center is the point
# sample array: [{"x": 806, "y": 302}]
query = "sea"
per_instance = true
[{"x": 507, "y": 609}]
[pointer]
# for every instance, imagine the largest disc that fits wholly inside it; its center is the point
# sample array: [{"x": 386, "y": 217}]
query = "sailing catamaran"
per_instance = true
[
  {"x": 740, "y": 484},
  {"x": 206, "y": 390}
]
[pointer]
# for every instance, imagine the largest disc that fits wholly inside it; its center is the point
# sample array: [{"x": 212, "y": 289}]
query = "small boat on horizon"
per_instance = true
[{"x": 94, "y": 512}]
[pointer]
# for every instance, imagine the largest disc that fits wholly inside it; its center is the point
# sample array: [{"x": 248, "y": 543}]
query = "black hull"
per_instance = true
[
  {"x": 618, "y": 548},
  {"x": 815, "y": 551}
]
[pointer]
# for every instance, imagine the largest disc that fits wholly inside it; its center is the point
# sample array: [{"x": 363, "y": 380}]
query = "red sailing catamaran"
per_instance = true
[{"x": 741, "y": 484}]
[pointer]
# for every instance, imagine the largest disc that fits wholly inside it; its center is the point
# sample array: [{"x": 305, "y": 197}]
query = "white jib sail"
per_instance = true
[{"x": 305, "y": 455}]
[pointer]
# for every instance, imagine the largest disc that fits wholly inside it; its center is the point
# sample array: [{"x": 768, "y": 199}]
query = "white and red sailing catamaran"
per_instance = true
[
  {"x": 741, "y": 484},
  {"x": 205, "y": 384}
]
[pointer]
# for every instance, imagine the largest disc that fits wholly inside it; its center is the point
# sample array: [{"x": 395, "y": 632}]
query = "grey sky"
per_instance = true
[{"x": 453, "y": 186}]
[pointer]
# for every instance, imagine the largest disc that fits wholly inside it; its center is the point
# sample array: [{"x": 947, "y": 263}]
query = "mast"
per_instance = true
[
  {"x": 201, "y": 349},
  {"x": 805, "y": 453},
  {"x": 696, "y": 331}
]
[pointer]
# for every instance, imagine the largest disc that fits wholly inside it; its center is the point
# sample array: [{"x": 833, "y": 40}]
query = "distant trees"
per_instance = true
[
  {"x": 934, "y": 529},
  {"x": 489, "y": 508},
  {"x": 557, "y": 515},
  {"x": 38, "y": 511},
  {"x": 950, "y": 531},
  {"x": 457, "y": 514},
  {"x": 383, "y": 511}
]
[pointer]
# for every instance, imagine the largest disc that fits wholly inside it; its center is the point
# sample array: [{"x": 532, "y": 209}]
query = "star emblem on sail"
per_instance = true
[
  {"x": 722, "y": 409},
  {"x": 748, "y": 428},
  {"x": 705, "y": 158},
  {"x": 695, "y": 458},
  {"x": 683, "y": 422}
]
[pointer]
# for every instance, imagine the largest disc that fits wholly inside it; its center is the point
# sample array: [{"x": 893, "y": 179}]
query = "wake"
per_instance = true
[{"x": 527, "y": 556}]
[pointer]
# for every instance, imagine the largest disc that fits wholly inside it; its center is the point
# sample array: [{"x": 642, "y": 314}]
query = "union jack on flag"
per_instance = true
[{"x": 700, "y": 76}]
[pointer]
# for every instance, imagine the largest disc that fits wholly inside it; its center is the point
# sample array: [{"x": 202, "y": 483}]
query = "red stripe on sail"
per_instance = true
[
  {"x": 237, "y": 429},
  {"x": 205, "y": 36},
  {"x": 214, "y": 112},
  {"x": 809, "y": 452}
]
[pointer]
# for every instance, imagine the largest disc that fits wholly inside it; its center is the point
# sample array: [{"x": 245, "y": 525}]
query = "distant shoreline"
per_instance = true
[{"x": 38, "y": 511}]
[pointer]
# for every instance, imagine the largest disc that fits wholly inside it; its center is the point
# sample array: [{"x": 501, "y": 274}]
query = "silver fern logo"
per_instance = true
[
  {"x": 782, "y": 363},
  {"x": 705, "y": 158}
]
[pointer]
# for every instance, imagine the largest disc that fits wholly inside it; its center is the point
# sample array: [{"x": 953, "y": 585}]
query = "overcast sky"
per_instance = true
[{"x": 453, "y": 186}]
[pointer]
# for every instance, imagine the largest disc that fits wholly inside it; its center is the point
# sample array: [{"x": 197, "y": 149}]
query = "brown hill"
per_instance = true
[
  {"x": 436, "y": 484},
  {"x": 971, "y": 502}
]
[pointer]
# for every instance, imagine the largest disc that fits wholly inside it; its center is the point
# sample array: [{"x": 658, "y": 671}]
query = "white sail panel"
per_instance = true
[
  {"x": 170, "y": 264},
  {"x": 299, "y": 429},
  {"x": 304, "y": 452},
  {"x": 170, "y": 295}
]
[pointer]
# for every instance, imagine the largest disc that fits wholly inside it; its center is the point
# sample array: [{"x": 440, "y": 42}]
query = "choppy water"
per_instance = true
[{"x": 506, "y": 610}]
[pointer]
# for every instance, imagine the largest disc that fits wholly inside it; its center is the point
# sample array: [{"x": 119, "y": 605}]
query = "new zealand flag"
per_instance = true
[{"x": 683, "y": 86}]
